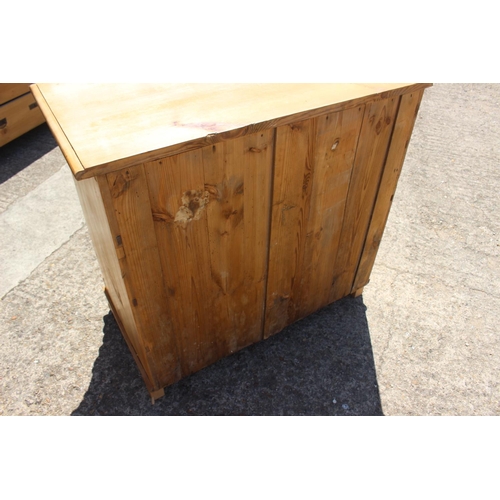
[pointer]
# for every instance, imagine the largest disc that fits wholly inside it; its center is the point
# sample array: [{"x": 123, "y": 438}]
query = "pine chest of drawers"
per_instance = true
[{"x": 221, "y": 213}]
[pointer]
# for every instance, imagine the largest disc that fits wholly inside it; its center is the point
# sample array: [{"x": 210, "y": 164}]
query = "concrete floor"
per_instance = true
[{"x": 421, "y": 340}]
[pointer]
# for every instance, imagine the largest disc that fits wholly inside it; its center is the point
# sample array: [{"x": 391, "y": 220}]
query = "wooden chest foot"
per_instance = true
[{"x": 157, "y": 395}]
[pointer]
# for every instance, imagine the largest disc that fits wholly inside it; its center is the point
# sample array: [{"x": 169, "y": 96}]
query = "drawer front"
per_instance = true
[
  {"x": 9, "y": 91},
  {"x": 18, "y": 117}
]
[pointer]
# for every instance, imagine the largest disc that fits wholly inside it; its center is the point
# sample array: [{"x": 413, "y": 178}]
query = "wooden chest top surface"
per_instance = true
[{"x": 104, "y": 127}]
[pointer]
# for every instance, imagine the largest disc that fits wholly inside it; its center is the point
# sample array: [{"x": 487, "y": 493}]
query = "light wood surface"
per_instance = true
[
  {"x": 117, "y": 125},
  {"x": 64, "y": 144}
]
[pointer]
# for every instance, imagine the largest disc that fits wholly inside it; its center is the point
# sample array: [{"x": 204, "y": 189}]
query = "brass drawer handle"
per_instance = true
[{"x": 3, "y": 123}]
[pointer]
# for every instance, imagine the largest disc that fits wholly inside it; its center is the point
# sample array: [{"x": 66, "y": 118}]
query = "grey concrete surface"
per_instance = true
[
  {"x": 36, "y": 225},
  {"x": 421, "y": 340}
]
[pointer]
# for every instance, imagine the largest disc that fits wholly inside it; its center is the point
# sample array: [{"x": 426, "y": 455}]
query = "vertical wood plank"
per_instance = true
[
  {"x": 144, "y": 280},
  {"x": 335, "y": 144},
  {"x": 210, "y": 208},
  {"x": 403, "y": 128},
  {"x": 313, "y": 166},
  {"x": 178, "y": 202},
  {"x": 293, "y": 170},
  {"x": 378, "y": 123},
  {"x": 100, "y": 222},
  {"x": 238, "y": 173}
]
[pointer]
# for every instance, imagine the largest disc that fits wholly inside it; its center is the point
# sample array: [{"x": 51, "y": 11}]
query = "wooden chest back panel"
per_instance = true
[
  {"x": 211, "y": 250},
  {"x": 313, "y": 166},
  {"x": 211, "y": 218},
  {"x": 327, "y": 174}
]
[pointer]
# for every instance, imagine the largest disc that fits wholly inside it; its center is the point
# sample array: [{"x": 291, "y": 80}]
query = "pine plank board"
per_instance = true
[
  {"x": 111, "y": 262},
  {"x": 18, "y": 117},
  {"x": 212, "y": 230},
  {"x": 403, "y": 128},
  {"x": 371, "y": 154},
  {"x": 183, "y": 247},
  {"x": 239, "y": 174},
  {"x": 143, "y": 274},
  {"x": 111, "y": 126},
  {"x": 332, "y": 174},
  {"x": 314, "y": 159},
  {"x": 291, "y": 194},
  {"x": 103, "y": 242}
]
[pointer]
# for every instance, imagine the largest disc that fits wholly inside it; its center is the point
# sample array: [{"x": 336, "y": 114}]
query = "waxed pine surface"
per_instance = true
[
  {"x": 422, "y": 340},
  {"x": 116, "y": 125}
]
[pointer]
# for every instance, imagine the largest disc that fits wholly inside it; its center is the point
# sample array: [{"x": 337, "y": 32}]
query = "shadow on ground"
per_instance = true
[
  {"x": 25, "y": 150},
  {"x": 322, "y": 365}
]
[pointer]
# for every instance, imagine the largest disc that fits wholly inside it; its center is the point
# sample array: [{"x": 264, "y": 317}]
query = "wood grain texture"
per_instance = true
[
  {"x": 183, "y": 248},
  {"x": 403, "y": 128},
  {"x": 335, "y": 147},
  {"x": 371, "y": 153},
  {"x": 9, "y": 91},
  {"x": 18, "y": 117},
  {"x": 293, "y": 170},
  {"x": 67, "y": 149},
  {"x": 114, "y": 126},
  {"x": 143, "y": 274},
  {"x": 239, "y": 174},
  {"x": 313, "y": 166},
  {"x": 210, "y": 209},
  {"x": 268, "y": 203},
  {"x": 110, "y": 255}
]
